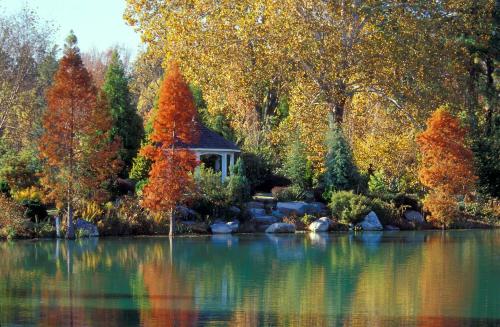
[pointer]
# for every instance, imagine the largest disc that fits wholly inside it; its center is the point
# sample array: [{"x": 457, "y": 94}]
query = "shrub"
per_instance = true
[
  {"x": 289, "y": 193},
  {"x": 377, "y": 184},
  {"x": 211, "y": 195},
  {"x": 387, "y": 212},
  {"x": 349, "y": 207},
  {"x": 294, "y": 220},
  {"x": 238, "y": 187},
  {"x": 127, "y": 217},
  {"x": 307, "y": 219},
  {"x": 13, "y": 222},
  {"x": 258, "y": 168}
]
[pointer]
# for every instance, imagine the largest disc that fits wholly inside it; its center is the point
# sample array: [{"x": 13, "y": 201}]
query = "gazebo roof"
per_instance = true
[{"x": 209, "y": 139}]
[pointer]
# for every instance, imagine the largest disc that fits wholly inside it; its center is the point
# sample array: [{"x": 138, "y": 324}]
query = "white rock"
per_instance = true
[
  {"x": 391, "y": 228},
  {"x": 296, "y": 207},
  {"x": 281, "y": 228},
  {"x": 371, "y": 223},
  {"x": 412, "y": 215},
  {"x": 234, "y": 225},
  {"x": 319, "y": 226},
  {"x": 220, "y": 228}
]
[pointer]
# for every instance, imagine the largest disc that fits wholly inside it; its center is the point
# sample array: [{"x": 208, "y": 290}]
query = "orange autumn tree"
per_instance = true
[
  {"x": 78, "y": 156},
  {"x": 170, "y": 177},
  {"x": 446, "y": 166}
]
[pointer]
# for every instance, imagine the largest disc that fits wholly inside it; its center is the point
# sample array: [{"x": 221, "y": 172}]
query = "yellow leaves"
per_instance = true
[
  {"x": 381, "y": 140},
  {"x": 28, "y": 194}
]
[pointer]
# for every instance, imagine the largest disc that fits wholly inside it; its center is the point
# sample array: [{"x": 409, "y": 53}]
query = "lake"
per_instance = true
[{"x": 392, "y": 278}]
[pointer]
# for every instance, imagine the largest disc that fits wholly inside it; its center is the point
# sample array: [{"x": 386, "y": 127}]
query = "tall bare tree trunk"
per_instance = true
[
  {"x": 70, "y": 231},
  {"x": 172, "y": 222}
]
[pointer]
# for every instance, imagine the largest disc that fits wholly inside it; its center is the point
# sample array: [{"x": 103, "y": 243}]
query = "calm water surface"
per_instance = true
[{"x": 398, "y": 278}]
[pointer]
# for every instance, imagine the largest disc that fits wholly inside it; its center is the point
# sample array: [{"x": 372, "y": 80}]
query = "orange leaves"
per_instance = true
[
  {"x": 446, "y": 167},
  {"x": 175, "y": 120},
  {"x": 170, "y": 177},
  {"x": 446, "y": 160},
  {"x": 79, "y": 156}
]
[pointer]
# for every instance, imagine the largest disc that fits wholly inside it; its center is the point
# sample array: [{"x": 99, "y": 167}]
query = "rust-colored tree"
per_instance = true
[
  {"x": 170, "y": 178},
  {"x": 446, "y": 167},
  {"x": 79, "y": 158}
]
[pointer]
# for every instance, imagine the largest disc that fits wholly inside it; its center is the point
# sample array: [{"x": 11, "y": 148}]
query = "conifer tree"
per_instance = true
[
  {"x": 170, "y": 177},
  {"x": 446, "y": 167},
  {"x": 341, "y": 173},
  {"x": 127, "y": 124},
  {"x": 75, "y": 147}
]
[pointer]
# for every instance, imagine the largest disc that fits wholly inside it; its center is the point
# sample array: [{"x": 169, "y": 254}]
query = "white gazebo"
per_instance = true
[{"x": 213, "y": 149}]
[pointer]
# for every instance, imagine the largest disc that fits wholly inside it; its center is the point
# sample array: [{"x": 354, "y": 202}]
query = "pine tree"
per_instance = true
[
  {"x": 341, "y": 173},
  {"x": 170, "y": 177},
  {"x": 297, "y": 168},
  {"x": 75, "y": 147},
  {"x": 446, "y": 167},
  {"x": 238, "y": 187},
  {"x": 127, "y": 124}
]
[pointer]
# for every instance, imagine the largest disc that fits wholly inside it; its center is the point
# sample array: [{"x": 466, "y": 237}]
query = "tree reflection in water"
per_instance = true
[{"x": 416, "y": 278}]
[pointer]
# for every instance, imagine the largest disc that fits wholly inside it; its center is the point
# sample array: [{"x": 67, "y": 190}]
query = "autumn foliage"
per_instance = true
[
  {"x": 446, "y": 167},
  {"x": 79, "y": 157},
  {"x": 170, "y": 177}
]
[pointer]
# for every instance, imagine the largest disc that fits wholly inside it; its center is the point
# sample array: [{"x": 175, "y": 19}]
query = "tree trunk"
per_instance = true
[
  {"x": 172, "y": 222},
  {"x": 70, "y": 231}
]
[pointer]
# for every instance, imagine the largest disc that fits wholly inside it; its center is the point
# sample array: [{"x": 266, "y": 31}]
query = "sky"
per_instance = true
[{"x": 96, "y": 23}]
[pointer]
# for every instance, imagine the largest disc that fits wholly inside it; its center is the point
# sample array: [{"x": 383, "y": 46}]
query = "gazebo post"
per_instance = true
[
  {"x": 224, "y": 166},
  {"x": 231, "y": 161}
]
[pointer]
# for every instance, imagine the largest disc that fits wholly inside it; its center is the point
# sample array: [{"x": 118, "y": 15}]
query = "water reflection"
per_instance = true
[{"x": 415, "y": 278}]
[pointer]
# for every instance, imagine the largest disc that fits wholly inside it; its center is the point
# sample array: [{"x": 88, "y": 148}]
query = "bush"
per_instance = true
[
  {"x": 257, "y": 168},
  {"x": 13, "y": 222},
  {"x": 238, "y": 188},
  {"x": 289, "y": 193},
  {"x": 307, "y": 219},
  {"x": 297, "y": 168},
  {"x": 349, "y": 207},
  {"x": 211, "y": 195},
  {"x": 387, "y": 212},
  {"x": 127, "y": 218},
  {"x": 294, "y": 220}
]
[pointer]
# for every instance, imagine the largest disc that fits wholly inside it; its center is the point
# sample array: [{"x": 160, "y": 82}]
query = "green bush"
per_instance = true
[
  {"x": 349, "y": 207},
  {"x": 238, "y": 187},
  {"x": 387, "y": 212},
  {"x": 307, "y": 219},
  {"x": 211, "y": 195},
  {"x": 377, "y": 184},
  {"x": 287, "y": 193}
]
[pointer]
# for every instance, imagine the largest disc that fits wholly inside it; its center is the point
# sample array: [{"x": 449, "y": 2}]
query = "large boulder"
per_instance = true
[
  {"x": 254, "y": 204},
  {"x": 281, "y": 228},
  {"x": 414, "y": 216},
  {"x": 320, "y": 225},
  {"x": 86, "y": 229},
  {"x": 254, "y": 212},
  {"x": 298, "y": 208},
  {"x": 370, "y": 223},
  {"x": 316, "y": 208},
  {"x": 264, "y": 220},
  {"x": 234, "y": 225},
  {"x": 220, "y": 228}
]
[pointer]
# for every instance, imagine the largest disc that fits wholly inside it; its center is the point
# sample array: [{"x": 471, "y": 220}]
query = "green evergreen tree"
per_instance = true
[
  {"x": 297, "y": 167},
  {"x": 341, "y": 173},
  {"x": 127, "y": 124},
  {"x": 238, "y": 186}
]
